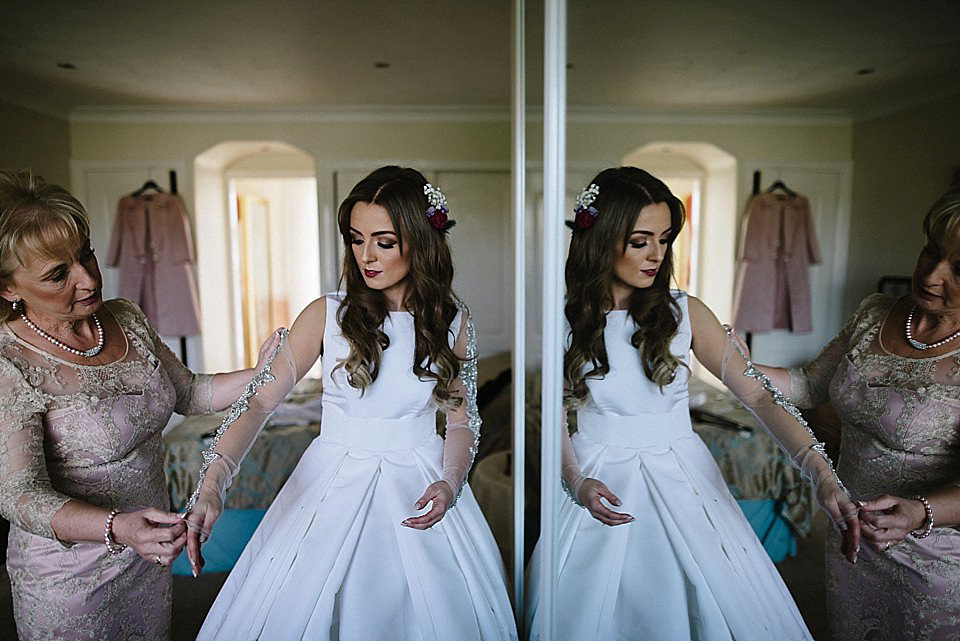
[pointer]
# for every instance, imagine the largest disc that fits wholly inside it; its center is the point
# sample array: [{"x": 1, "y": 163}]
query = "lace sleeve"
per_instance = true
[
  {"x": 194, "y": 391},
  {"x": 27, "y": 497},
  {"x": 463, "y": 423},
  {"x": 809, "y": 385}
]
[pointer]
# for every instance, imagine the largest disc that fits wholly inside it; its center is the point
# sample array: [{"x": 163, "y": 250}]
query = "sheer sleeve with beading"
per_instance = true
[
  {"x": 463, "y": 422},
  {"x": 246, "y": 417},
  {"x": 783, "y": 421}
]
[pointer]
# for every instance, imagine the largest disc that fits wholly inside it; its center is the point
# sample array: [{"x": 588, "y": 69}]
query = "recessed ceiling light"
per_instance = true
[
  {"x": 381, "y": 65},
  {"x": 66, "y": 65},
  {"x": 866, "y": 71}
]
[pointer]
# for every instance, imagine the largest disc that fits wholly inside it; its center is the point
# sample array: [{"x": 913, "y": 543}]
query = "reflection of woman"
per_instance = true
[
  {"x": 682, "y": 562},
  {"x": 339, "y": 554},
  {"x": 86, "y": 387},
  {"x": 893, "y": 377}
]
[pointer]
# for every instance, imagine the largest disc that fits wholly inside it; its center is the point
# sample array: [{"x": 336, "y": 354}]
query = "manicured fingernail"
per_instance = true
[
  {"x": 860, "y": 503},
  {"x": 631, "y": 519}
]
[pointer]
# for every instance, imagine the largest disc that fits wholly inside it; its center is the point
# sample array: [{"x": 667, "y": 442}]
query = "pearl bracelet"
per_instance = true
[
  {"x": 928, "y": 519},
  {"x": 114, "y": 548}
]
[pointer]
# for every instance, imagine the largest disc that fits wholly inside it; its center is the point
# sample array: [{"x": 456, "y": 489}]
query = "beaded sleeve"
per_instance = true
[
  {"x": 236, "y": 410},
  {"x": 463, "y": 423},
  {"x": 797, "y": 445}
]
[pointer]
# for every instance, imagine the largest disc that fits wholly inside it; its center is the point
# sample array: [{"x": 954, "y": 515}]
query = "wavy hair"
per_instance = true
[
  {"x": 624, "y": 191},
  {"x": 430, "y": 299},
  {"x": 36, "y": 219}
]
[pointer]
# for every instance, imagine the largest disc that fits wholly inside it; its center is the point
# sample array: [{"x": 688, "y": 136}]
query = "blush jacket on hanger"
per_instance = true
[
  {"x": 152, "y": 247},
  {"x": 777, "y": 247}
]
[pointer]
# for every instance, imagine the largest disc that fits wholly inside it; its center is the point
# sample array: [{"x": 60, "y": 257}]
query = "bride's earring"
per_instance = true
[{"x": 15, "y": 305}]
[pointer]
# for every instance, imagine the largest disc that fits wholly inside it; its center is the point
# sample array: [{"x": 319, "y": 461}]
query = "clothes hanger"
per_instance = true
[
  {"x": 779, "y": 184},
  {"x": 147, "y": 185}
]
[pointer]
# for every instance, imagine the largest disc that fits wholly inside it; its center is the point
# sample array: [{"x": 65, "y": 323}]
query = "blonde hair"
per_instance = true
[
  {"x": 36, "y": 219},
  {"x": 942, "y": 222}
]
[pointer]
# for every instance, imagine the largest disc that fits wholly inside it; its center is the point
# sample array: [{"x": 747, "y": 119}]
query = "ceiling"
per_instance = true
[{"x": 852, "y": 58}]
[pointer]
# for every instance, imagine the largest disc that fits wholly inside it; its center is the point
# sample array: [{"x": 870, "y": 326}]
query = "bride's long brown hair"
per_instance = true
[
  {"x": 430, "y": 297},
  {"x": 623, "y": 192}
]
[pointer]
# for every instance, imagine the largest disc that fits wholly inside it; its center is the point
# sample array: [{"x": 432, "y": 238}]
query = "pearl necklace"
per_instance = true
[
  {"x": 914, "y": 343},
  {"x": 90, "y": 353}
]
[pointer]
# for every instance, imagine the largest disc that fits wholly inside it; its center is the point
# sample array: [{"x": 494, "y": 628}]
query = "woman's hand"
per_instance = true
[
  {"x": 888, "y": 520},
  {"x": 440, "y": 495},
  {"x": 590, "y": 492},
  {"x": 155, "y": 535},
  {"x": 199, "y": 524}
]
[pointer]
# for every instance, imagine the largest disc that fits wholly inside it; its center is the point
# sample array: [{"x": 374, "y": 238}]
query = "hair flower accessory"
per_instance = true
[
  {"x": 585, "y": 212},
  {"x": 437, "y": 210}
]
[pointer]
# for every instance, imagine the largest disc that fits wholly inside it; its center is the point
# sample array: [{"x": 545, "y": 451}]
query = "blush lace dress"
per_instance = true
[
  {"x": 330, "y": 560},
  {"x": 900, "y": 429},
  {"x": 90, "y": 433}
]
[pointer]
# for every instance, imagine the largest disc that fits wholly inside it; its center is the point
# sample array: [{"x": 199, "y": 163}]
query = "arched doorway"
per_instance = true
[
  {"x": 705, "y": 177},
  {"x": 259, "y": 263}
]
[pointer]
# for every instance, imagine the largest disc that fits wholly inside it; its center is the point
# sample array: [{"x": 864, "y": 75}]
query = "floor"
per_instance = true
[{"x": 803, "y": 575}]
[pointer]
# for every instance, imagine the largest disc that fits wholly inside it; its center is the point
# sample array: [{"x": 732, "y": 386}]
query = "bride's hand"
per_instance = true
[
  {"x": 440, "y": 496},
  {"x": 589, "y": 493},
  {"x": 199, "y": 522}
]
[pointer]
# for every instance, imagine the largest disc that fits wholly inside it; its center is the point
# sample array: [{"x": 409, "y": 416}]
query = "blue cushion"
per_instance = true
[
  {"x": 775, "y": 532},
  {"x": 230, "y": 536}
]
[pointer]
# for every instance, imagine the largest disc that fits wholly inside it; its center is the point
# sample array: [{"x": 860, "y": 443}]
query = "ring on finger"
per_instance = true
[{"x": 158, "y": 560}]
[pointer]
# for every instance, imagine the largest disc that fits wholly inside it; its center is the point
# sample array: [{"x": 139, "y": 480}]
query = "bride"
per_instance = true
[
  {"x": 347, "y": 550},
  {"x": 668, "y": 554}
]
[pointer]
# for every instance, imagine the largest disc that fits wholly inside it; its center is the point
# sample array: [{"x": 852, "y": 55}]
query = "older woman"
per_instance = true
[
  {"x": 86, "y": 387},
  {"x": 893, "y": 377}
]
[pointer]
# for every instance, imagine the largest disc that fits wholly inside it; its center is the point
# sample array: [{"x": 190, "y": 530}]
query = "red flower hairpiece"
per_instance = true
[
  {"x": 437, "y": 210},
  {"x": 585, "y": 214}
]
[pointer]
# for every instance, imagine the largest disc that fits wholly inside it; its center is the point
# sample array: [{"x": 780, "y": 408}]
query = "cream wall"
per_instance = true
[
  {"x": 904, "y": 162},
  {"x": 336, "y": 139},
  {"x": 359, "y": 141},
  {"x": 600, "y": 140},
  {"x": 29, "y": 140}
]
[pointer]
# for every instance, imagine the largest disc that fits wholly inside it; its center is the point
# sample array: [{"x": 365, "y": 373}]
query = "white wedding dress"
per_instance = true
[
  {"x": 330, "y": 560},
  {"x": 690, "y": 566}
]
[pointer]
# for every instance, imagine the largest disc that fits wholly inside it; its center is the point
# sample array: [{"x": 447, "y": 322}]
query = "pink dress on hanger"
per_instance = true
[{"x": 152, "y": 248}]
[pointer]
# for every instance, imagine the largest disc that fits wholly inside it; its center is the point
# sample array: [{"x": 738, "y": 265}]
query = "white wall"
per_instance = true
[
  {"x": 33, "y": 141},
  {"x": 903, "y": 163}
]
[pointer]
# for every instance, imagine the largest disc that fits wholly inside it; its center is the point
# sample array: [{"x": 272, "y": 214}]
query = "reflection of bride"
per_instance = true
[
  {"x": 680, "y": 562},
  {"x": 339, "y": 555}
]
